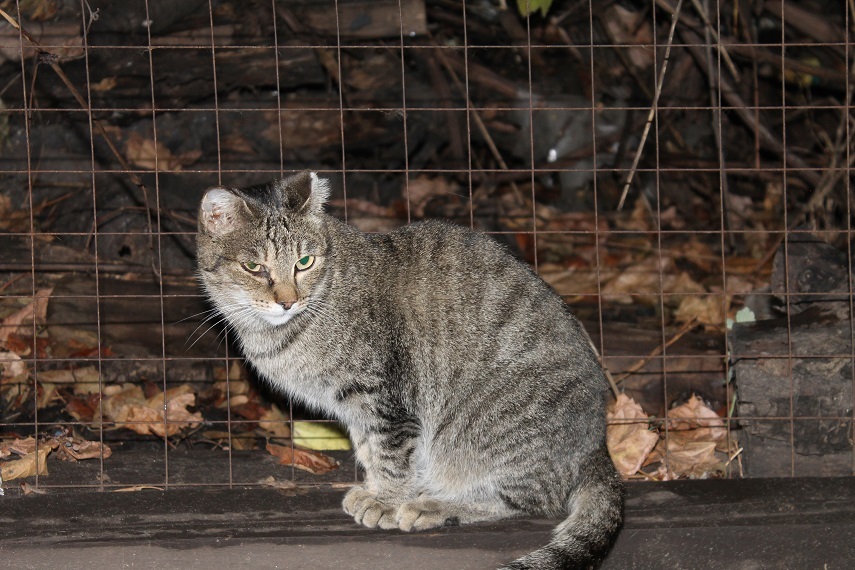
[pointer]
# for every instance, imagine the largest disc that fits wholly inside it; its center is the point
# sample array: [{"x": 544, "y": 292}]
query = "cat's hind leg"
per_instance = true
[{"x": 425, "y": 513}]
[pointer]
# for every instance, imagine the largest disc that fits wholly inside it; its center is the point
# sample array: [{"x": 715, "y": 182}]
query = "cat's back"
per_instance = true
[
  {"x": 434, "y": 250},
  {"x": 461, "y": 284}
]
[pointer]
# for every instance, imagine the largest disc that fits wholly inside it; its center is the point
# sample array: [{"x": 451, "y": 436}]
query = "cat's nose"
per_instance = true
[{"x": 286, "y": 304}]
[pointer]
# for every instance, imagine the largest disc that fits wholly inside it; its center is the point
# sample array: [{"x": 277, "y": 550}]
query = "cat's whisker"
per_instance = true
[
  {"x": 206, "y": 332},
  {"x": 224, "y": 333},
  {"x": 214, "y": 310},
  {"x": 225, "y": 319},
  {"x": 207, "y": 319}
]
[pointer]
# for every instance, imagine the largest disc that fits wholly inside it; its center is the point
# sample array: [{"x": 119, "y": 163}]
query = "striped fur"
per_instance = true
[{"x": 469, "y": 390}]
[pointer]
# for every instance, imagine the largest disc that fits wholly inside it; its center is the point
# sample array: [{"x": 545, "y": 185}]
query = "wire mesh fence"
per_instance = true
[{"x": 678, "y": 171}]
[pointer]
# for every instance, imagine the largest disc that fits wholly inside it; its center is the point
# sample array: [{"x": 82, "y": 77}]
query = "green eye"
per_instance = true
[
  {"x": 252, "y": 267},
  {"x": 305, "y": 262}
]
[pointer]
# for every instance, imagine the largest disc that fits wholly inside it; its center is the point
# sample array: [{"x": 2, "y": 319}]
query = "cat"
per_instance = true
[{"x": 469, "y": 390}]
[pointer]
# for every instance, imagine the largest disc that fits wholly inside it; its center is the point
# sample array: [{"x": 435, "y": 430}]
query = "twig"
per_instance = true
[
  {"x": 658, "y": 350},
  {"x": 482, "y": 128},
  {"x": 718, "y": 43},
  {"x": 739, "y": 106},
  {"x": 9, "y": 282},
  {"x": 715, "y": 104},
  {"x": 51, "y": 60},
  {"x": 619, "y": 51},
  {"x": 827, "y": 182},
  {"x": 653, "y": 107},
  {"x": 832, "y": 174}
]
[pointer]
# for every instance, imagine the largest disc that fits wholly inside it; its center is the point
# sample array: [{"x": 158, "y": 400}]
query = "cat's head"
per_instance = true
[{"x": 261, "y": 250}]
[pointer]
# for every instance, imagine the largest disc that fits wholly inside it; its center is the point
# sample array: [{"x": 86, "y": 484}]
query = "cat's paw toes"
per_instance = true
[
  {"x": 380, "y": 515},
  {"x": 366, "y": 510},
  {"x": 424, "y": 515},
  {"x": 354, "y": 498}
]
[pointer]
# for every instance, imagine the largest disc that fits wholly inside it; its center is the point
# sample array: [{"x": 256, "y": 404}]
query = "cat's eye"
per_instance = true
[
  {"x": 304, "y": 262},
  {"x": 252, "y": 267}
]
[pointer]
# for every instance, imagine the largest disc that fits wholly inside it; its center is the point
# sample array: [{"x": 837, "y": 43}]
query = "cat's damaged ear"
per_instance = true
[
  {"x": 221, "y": 212},
  {"x": 305, "y": 192}
]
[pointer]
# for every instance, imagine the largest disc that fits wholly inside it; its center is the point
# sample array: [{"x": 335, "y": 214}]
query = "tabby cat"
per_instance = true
[{"x": 468, "y": 389}]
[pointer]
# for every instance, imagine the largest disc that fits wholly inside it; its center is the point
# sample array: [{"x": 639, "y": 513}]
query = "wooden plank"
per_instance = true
[{"x": 716, "y": 525}]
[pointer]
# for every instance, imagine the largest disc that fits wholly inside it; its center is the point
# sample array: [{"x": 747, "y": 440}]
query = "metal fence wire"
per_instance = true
[{"x": 680, "y": 171}]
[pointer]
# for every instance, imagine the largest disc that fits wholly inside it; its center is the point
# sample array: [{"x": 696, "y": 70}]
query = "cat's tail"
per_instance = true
[{"x": 595, "y": 508}]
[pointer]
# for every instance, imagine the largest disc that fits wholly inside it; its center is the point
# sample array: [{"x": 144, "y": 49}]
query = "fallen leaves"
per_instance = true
[
  {"x": 424, "y": 189},
  {"x": 164, "y": 414},
  {"x": 322, "y": 436},
  {"x": 69, "y": 449},
  {"x": 143, "y": 152},
  {"x": 33, "y": 454},
  {"x": 29, "y": 465},
  {"x": 305, "y": 459},
  {"x": 275, "y": 422},
  {"x": 23, "y": 319},
  {"x": 628, "y": 435},
  {"x": 11, "y": 366},
  {"x": 691, "y": 442}
]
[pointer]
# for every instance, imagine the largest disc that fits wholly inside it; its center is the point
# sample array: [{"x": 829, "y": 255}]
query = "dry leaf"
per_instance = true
[
  {"x": 311, "y": 461},
  {"x": 129, "y": 409},
  {"x": 287, "y": 488},
  {"x": 83, "y": 409},
  {"x": 423, "y": 189},
  {"x": 737, "y": 285},
  {"x": 137, "y": 488},
  {"x": 628, "y": 437},
  {"x": 23, "y": 318},
  {"x": 28, "y": 489},
  {"x": 27, "y": 466},
  {"x": 692, "y": 459},
  {"x": 321, "y": 436},
  {"x": 39, "y": 10},
  {"x": 144, "y": 153},
  {"x": 695, "y": 421},
  {"x": 630, "y": 27},
  {"x": 105, "y": 84},
  {"x": 22, "y": 446},
  {"x": 237, "y": 375},
  {"x": 86, "y": 375},
  {"x": 11, "y": 366},
  {"x": 574, "y": 280},
  {"x": 708, "y": 310},
  {"x": 694, "y": 433},
  {"x": 71, "y": 449},
  {"x": 699, "y": 254},
  {"x": 11, "y": 219},
  {"x": 115, "y": 405},
  {"x": 644, "y": 281},
  {"x": 281, "y": 485},
  {"x": 276, "y": 422},
  {"x": 46, "y": 395},
  {"x": 143, "y": 420}
]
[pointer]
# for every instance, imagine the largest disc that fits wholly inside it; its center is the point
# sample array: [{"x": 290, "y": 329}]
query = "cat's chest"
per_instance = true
[{"x": 302, "y": 374}]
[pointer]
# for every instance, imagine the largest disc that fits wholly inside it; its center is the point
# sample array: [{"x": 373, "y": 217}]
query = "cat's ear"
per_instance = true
[
  {"x": 305, "y": 192},
  {"x": 222, "y": 211}
]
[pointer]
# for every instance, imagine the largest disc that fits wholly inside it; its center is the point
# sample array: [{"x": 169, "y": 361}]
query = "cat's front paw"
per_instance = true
[
  {"x": 424, "y": 514},
  {"x": 367, "y": 510}
]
